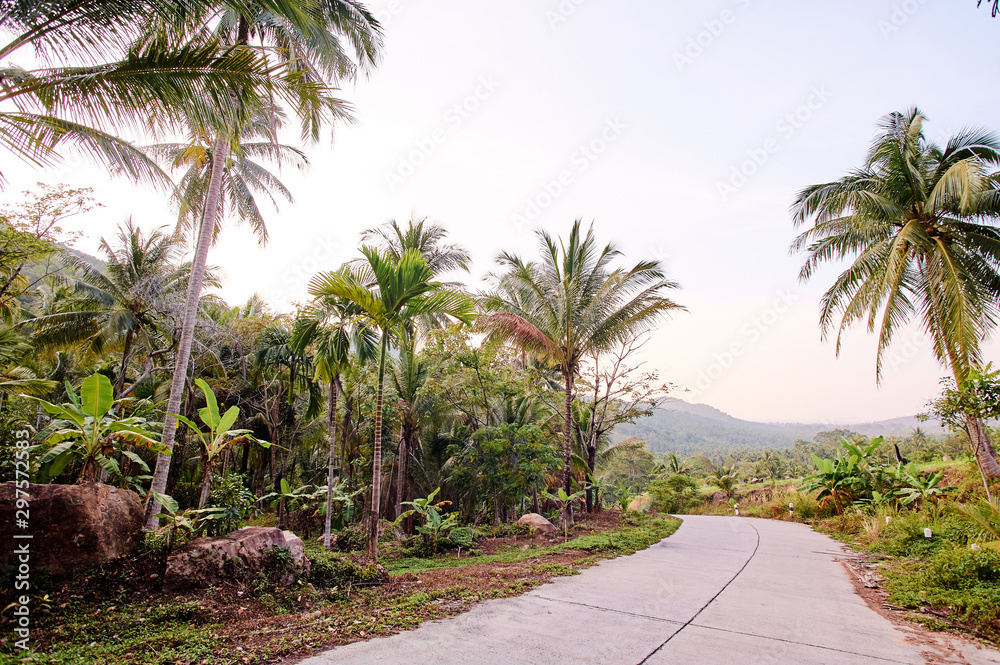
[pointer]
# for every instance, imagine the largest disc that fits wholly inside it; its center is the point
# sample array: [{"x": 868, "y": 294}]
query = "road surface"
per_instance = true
[{"x": 722, "y": 590}]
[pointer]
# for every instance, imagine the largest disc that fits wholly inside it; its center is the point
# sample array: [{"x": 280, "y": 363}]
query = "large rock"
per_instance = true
[
  {"x": 239, "y": 556},
  {"x": 73, "y": 526},
  {"x": 538, "y": 524}
]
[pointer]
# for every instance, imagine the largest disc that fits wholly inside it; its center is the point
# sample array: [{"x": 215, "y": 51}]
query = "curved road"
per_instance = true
[{"x": 722, "y": 590}]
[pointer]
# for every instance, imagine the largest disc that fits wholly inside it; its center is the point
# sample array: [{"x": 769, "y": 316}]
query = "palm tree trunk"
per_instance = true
[
  {"x": 206, "y": 485},
  {"x": 331, "y": 420},
  {"x": 567, "y": 512},
  {"x": 377, "y": 456},
  {"x": 282, "y": 508},
  {"x": 982, "y": 447},
  {"x": 591, "y": 463},
  {"x": 401, "y": 475},
  {"x": 120, "y": 382},
  {"x": 197, "y": 277}
]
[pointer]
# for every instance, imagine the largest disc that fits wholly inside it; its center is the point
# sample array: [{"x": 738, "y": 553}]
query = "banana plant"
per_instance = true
[
  {"x": 218, "y": 438},
  {"x": 837, "y": 479},
  {"x": 563, "y": 500},
  {"x": 623, "y": 494},
  {"x": 434, "y": 523},
  {"x": 293, "y": 497},
  {"x": 926, "y": 490},
  {"x": 86, "y": 431}
]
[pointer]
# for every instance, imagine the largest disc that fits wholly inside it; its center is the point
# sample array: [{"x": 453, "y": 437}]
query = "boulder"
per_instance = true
[
  {"x": 538, "y": 524},
  {"x": 641, "y": 504},
  {"x": 719, "y": 497},
  {"x": 239, "y": 556},
  {"x": 73, "y": 526}
]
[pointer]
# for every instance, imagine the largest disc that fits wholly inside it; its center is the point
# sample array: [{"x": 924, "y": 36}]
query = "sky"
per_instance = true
[{"x": 682, "y": 130}]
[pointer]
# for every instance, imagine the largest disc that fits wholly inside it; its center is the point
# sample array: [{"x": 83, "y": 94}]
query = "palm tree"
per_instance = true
[
  {"x": 15, "y": 378},
  {"x": 331, "y": 327},
  {"x": 917, "y": 222},
  {"x": 101, "y": 71},
  {"x": 306, "y": 42},
  {"x": 428, "y": 239},
  {"x": 573, "y": 304},
  {"x": 726, "y": 479},
  {"x": 123, "y": 306},
  {"x": 276, "y": 351},
  {"x": 244, "y": 179},
  {"x": 391, "y": 295}
]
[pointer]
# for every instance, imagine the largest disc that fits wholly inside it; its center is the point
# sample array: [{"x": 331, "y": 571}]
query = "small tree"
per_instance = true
[
  {"x": 219, "y": 437},
  {"x": 434, "y": 522},
  {"x": 564, "y": 501},
  {"x": 977, "y": 396}
]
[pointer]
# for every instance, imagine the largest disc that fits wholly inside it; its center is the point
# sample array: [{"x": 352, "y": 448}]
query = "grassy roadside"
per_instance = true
[{"x": 261, "y": 623}]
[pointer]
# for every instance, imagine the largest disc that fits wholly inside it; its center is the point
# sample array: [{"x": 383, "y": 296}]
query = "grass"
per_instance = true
[
  {"x": 638, "y": 535},
  {"x": 259, "y": 622}
]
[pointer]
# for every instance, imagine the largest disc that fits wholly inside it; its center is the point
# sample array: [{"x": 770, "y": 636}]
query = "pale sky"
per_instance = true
[{"x": 493, "y": 118}]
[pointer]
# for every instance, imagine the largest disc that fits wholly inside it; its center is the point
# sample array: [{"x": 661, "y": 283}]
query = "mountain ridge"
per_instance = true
[{"x": 689, "y": 428}]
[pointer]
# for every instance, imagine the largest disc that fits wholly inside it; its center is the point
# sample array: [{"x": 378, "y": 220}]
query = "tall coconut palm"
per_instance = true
[
  {"x": 391, "y": 295},
  {"x": 331, "y": 327},
  {"x": 307, "y": 42},
  {"x": 571, "y": 304},
  {"x": 429, "y": 239},
  {"x": 123, "y": 305},
  {"x": 918, "y": 223}
]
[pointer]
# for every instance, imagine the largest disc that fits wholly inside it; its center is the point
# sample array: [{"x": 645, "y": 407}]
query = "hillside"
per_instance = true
[{"x": 698, "y": 428}]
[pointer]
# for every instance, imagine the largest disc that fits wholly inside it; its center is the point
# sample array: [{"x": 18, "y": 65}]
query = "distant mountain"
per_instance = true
[{"x": 681, "y": 427}]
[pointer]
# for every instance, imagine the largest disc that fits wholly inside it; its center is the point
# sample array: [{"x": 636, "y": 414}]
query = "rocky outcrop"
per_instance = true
[
  {"x": 538, "y": 524},
  {"x": 73, "y": 527},
  {"x": 239, "y": 556}
]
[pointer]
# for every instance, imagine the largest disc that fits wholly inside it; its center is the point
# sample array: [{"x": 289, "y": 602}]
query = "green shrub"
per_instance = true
[
  {"x": 965, "y": 580},
  {"x": 352, "y": 538},
  {"x": 231, "y": 495},
  {"x": 332, "y": 570},
  {"x": 676, "y": 494},
  {"x": 461, "y": 536}
]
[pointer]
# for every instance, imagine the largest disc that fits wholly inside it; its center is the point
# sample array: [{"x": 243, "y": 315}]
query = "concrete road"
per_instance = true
[{"x": 722, "y": 590}]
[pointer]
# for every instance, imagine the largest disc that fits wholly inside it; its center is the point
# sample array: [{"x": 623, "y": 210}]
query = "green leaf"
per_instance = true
[
  {"x": 108, "y": 464},
  {"x": 228, "y": 419},
  {"x": 135, "y": 458},
  {"x": 210, "y": 413},
  {"x": 96, "y": 396},
  {"x": 59, "y": 464},
  {"x": 167, "y": 501},
  {"x": 56, "y": 451}
]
